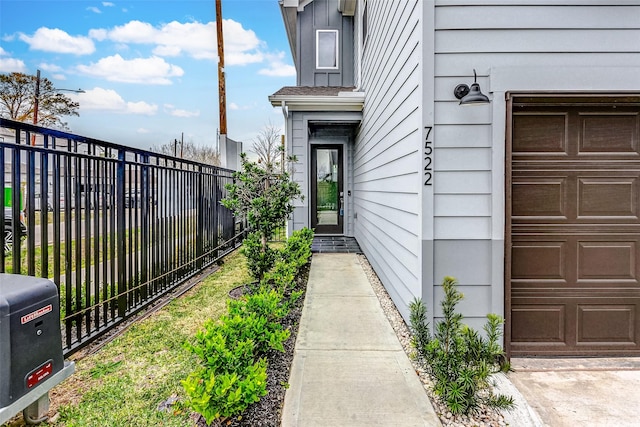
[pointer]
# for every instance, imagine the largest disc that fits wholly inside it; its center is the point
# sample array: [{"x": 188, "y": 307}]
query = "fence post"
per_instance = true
[
  {"x": 120, "y": 233},
  {"x": 15, "y": 206},
  {"x": 144, "y": 224},
  {"x": 200, "y": 221}
]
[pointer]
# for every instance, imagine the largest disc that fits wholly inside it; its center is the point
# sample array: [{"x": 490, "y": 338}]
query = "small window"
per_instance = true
[{"x": 327, "y": 49}]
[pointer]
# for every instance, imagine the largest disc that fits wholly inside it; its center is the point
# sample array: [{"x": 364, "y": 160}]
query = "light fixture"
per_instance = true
[{"x": 470, "y": 96}]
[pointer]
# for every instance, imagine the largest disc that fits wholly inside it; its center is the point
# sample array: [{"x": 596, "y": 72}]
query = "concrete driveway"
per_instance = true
[{"x": 580, "y": 391}]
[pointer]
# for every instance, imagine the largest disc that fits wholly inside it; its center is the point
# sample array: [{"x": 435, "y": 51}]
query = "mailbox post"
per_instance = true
[{"x": 31, "y": 361}]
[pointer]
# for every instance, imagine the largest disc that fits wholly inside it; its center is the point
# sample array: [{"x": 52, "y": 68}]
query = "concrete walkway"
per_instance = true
[{"x": 349, "y": 368}]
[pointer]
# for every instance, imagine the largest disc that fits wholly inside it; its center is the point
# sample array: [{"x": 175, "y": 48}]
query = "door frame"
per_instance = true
[{"x": 337, "y": 230}]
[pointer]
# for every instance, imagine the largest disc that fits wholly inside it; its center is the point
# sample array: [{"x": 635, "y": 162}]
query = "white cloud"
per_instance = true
[
  {"x": 194, "y": 39},
  {"x": 53, "y": 70},
  {"x": 109, "y": 100},
  {"x": 98, "y": 34},
  {"x": 236, "y": 107},
  {"x": 94, "y": 9},
  {"x": 276, "y": 67},
  {"x": 154, "y": 70},
  {"x": 184, "y": 113},
  {"x": 237, "y": 39},
  {"x": 50, "y": 67},
  {"x": 242, "y": 58},
  {"x": 56, "y": 40},
  {"x": 12, "y": 65},
  {"x": 143, "y": 130},
  {"x": 176, "y": 112},
  {"x": 142, "y": 107},
  {"x": 108, "y": 4},
  {"x": 133, "y": 32}
]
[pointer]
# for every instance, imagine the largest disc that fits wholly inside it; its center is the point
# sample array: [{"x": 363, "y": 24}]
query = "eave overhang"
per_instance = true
[
  {"x": 289, "y": 10},
  {"x": 347, "y": 7},
  {"x": 343, "y": 101}
]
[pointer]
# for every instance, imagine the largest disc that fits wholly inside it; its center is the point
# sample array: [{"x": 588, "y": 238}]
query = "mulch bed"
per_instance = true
[{"x": 268, "y": 410}]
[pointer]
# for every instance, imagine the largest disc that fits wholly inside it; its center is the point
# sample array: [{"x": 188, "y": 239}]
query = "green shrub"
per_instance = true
[
  {"x": 297, "y": 249},
  {"x": 259, "y": 259},
  {"x": 225, "y": 394},
  {"x": 258, "y": 318},
  {"x": 458, "y": 359},
  {"x": 232, "y": 372}
]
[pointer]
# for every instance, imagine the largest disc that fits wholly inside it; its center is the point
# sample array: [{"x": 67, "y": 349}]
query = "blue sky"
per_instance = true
[{"x": 149, "y": 67}]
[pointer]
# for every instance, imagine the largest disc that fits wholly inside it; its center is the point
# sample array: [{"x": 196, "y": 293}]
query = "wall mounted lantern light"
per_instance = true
[{"x": 470, "y": 95}]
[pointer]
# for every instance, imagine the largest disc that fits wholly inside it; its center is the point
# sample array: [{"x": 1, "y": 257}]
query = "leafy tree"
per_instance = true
[
  {"x": 17, "y": 96},
  {"x": 268, "y": 148},
  {"x": 264, "y": 196},
  {"x": 190, "y": 151}
]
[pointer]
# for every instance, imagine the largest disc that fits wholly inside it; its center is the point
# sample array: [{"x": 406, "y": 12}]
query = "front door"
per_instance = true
[{"x": 327, "y": 198}]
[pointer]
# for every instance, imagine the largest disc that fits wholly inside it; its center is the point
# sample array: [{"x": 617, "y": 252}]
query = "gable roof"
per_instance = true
[{"x": 290, "y": 9}]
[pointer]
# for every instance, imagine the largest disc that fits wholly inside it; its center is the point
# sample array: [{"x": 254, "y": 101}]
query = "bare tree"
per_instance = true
[
  {"x": 190, "y": 151},
  {"x": 17, "y": 96},
  {"x": 268, "y": 147}
]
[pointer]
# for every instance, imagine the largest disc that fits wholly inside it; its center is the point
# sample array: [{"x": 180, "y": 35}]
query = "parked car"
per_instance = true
[{"x": 8, "y": 229}]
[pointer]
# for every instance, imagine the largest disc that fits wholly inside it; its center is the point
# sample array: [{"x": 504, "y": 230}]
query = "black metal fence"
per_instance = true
[{"x": 114, "y": 227}]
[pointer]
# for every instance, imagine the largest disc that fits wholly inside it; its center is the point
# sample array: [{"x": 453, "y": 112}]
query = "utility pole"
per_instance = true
[{"x": 221, "y": 82}]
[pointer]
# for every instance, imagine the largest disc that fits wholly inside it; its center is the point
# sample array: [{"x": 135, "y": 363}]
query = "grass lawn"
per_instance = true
[{"x": 123, "y": 383}]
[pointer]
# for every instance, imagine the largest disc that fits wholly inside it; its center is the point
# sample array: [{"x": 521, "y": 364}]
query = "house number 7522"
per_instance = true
[{"x": 428, "y": 157}]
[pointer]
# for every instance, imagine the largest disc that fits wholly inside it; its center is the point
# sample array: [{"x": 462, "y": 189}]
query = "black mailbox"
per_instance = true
[{"x": 30, "y": 338}]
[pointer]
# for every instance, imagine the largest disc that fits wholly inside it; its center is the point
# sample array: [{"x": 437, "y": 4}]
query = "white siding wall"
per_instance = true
[
  {"x": 387, "y": 154},
  {"x": 513, "y": 45}
]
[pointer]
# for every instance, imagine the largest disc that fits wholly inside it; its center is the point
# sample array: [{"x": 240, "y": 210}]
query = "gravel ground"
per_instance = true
[{"x": 485, "y": 418}]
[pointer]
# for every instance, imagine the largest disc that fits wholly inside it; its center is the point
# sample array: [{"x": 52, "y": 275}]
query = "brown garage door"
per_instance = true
[{"x": 573, "y": 223}]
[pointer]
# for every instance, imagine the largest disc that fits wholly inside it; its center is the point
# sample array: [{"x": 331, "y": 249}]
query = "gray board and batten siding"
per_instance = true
[{"x": 324, "y": 15}]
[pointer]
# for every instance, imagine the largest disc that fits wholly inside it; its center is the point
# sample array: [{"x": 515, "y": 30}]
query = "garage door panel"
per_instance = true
[
  {"x": 574, "y": 325},
  {"x": 545, "y": 133},
  {"x": 536, "y": 196},
  {"x": 596, "y": 135},
  {"x": 607, "y": 261},
  {"x": 539, "y": 261},
  {"x": 606, "y": 324},
  {"x": 608, "y": 197},
  {"x": 538, "y": 324}
]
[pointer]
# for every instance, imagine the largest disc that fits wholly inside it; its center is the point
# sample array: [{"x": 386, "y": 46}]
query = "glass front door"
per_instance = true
[{"x": 327, "y": 198}]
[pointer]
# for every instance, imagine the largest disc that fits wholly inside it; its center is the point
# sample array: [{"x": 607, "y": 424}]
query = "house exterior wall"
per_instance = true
[
  {"x": 415, "y": 54},
  {"x": 413, "y": 229},
  {"x": 299, "y": 144},
  {"x": 587, "y": 46},
  {"x": 387, "y": 153},
  {"x": 324, "y": 15}
]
